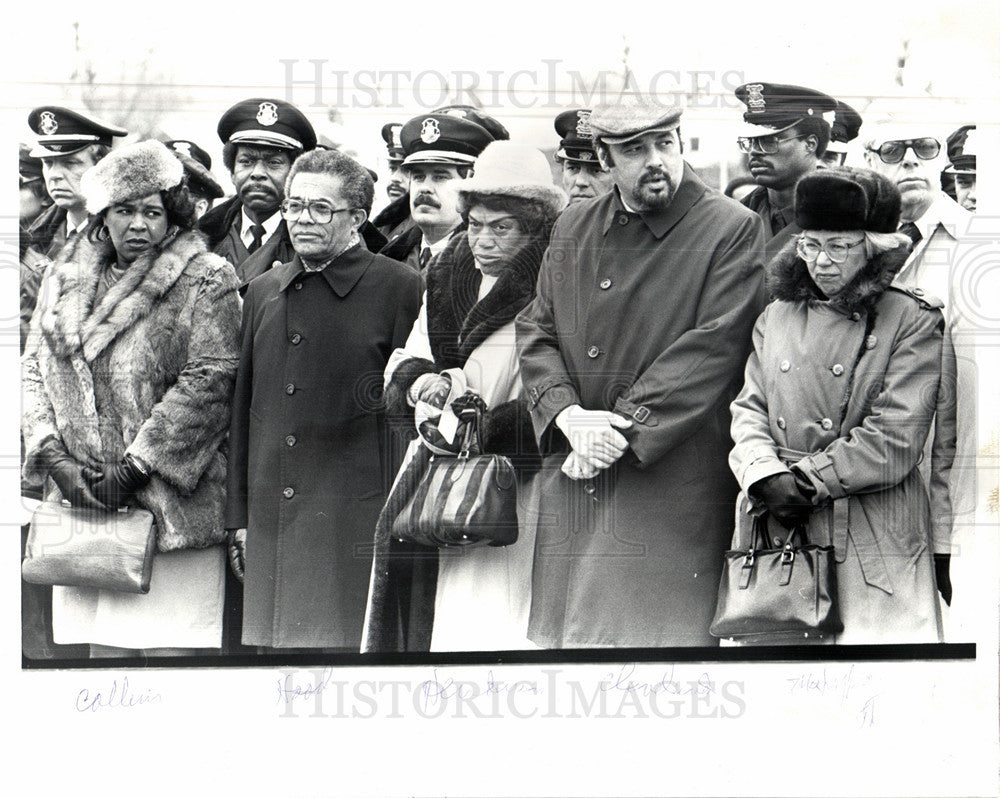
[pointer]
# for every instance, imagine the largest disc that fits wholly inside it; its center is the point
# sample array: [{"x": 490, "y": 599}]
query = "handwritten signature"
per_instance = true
[
  {"x": 849, "y": 688},
  {"x": 622, "y": 680},
  {"x": 286, "y": 693},
  {"x": 118, "y": 697}
]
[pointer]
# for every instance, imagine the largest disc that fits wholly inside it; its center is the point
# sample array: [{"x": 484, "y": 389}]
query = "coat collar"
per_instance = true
[
  {"x": 660, "y": 223},
  {"x": 342, "y": 273},
  {"x": 73, "y": 321}
]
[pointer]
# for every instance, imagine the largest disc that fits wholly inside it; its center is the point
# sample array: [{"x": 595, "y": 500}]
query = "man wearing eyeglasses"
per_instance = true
[
  {"x": 786, "y": 132},
  {"x": 310, "y": 457},
  {"x": 940, "y": 265}
]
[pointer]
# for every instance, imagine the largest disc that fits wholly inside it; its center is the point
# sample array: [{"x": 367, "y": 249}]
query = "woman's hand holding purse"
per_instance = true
[
  {"x": 783, "y": 498},
  {"x": 73, "y": 478},
  {"x": 118, "y": 485}
]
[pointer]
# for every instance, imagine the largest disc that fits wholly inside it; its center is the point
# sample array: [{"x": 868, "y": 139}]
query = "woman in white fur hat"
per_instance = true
[
  {"x": 128, "y": 375},
  {"x": 469, "y": 599}
]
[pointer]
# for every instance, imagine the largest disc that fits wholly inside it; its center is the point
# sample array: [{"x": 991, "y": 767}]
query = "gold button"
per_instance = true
[
  {"x": 837, "y": 369},
  {"x": 593, "y": 352},
  {"x": 826, "y": 423},
  {"x": 288, "y": 493},
  {"x": 785, "y": 365}
]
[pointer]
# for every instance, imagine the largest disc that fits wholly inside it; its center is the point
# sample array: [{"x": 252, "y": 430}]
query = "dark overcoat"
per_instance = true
[
  {"x": 310, "y": 464},
  {"x": 648, "y": 316}
]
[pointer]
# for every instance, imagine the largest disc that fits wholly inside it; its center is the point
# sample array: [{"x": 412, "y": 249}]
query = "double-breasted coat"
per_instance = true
[
  {"x": 842, "y": 392},
  {"x": 310, "y": 463},
  {"x": 648, "y": 316}
]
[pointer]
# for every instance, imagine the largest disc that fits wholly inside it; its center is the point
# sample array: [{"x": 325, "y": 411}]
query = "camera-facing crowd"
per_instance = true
[{"x": 509, "y": 411}]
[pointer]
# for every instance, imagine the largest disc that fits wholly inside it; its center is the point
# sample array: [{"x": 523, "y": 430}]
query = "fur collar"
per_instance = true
[
  {"x": 457, "y": 322},
  {"x": 788, "y": 279},
  {"x": 73, "y": 323}
]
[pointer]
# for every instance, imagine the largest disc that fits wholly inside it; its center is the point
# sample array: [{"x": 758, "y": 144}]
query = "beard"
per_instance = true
[{"x": 645, "y": 198}]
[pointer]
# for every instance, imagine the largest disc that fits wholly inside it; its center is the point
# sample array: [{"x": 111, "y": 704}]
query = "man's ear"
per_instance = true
[
  {"x": 604, "y": 155},
  {"x": 358, "y": 218},
  {"x": 812, "y": 143}
]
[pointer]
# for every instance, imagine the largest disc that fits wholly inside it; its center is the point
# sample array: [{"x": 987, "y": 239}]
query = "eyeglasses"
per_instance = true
[
  {"x": 893, "y": 151},
  {"x": 836, "y": 251},
  {"x": 768, "y": 145},
  {"x": 319, "y": 212}
]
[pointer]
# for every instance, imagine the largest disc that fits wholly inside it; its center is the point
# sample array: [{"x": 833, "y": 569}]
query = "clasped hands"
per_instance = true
[
  {"x": 84, "y": 486},
  {"x": 595, "y": 439}
]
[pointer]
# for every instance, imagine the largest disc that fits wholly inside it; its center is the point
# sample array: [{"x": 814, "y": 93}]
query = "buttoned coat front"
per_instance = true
[
  {"x": 310, "y": 465},
  {"x": 648, "y": 316},
  {"x": 843, "y": 392}
]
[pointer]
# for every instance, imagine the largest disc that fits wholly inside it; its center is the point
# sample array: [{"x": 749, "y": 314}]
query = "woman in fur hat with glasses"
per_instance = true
[
  {"x": 127, "y": 377},
  {"x": 839, "y": 396},
  {"x": 463, "y": 340}
]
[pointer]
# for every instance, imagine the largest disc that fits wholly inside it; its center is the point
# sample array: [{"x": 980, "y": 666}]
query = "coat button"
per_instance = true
[
  {"x": 855, "y": 316},
  {"x": 290, "y": 388},
  {"x": 590, "y": 489},
  {"x": 623, "y": 220},
  {"x": 296, "y": 338},
  {"x": 781, "y": 422},
  {"x": 593, "y": 352},
  {"x": 288, "y": 493},
  {"x": 917, "y": 291},
  {"x": 871, "y": 341},
  {"x": 290, "y": 440},
  {"x": 837, "y": 369},
  {"x": 826, "y": 424},
  {"x": 785, "y": 365},
  {"x": 298, "y": 286},
  {"x": 777, "y": 541},
  {"x": 605, "y": 284}
]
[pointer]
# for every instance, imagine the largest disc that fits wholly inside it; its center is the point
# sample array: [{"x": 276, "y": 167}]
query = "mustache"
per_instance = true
[
  {"x": 425, "y": 199},
  {"x": 654, "y": 174},
  {"x": 258, "y": 188}
]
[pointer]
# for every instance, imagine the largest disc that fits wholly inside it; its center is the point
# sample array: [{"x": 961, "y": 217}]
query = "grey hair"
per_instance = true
[{"x": 877, "y": 243}]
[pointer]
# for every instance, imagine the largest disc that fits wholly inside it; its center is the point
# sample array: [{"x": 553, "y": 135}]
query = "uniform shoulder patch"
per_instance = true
[{"x": 927, "y": 300}]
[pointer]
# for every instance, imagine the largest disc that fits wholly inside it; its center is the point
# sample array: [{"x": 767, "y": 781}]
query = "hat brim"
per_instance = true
[
  {"x": 625, "y": 139},
  {"x": 266, "y": 139},
  {"x": 951, "y": 170},
  {"x": 552, "y": 196},
  {"x": 440, "y": 157},
  {"x": 756, "y": 131},
  {"x": 66, "y": 148}
]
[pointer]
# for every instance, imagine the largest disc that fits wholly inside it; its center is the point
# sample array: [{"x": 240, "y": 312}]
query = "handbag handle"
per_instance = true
[
  {"x": 787, "y": 552},
  {"x": 469, "y": 408}
]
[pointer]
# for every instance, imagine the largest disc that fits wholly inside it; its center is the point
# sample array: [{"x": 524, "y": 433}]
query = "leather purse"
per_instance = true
[
  {"x": 88, "y": 547},
  {"x": 465, "y": 500},
  {"x": 777, "y": 594}
]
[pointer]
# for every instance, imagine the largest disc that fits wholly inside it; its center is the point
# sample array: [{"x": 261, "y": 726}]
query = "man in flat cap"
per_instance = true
[
  {"x": 963, "y": 145},
  {"x": 845, "y": 128},
  {"x": 441, "y": 150},
  {"x": 394, "y": 219},
  {"x": 630, "y": 355},
  {"x": 583, "y": 176},
  {"x": 786, "y": 132},
  {"x": 202, "y": 185},
  {"x": 942, "y": 264},
  {"x": 261, "y": 138}
]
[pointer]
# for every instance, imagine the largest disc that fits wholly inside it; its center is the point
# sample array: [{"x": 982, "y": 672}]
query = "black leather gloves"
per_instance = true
[
  {"x": 784, "y": 500},
  {"x": 118, "y": 485},
  {"x": 72, "y": 477},
  {"x": 237, "y": 546}
]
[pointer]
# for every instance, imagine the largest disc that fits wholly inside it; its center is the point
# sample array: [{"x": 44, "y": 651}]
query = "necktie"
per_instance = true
[
  {"x": 257, "y": 231},
  {"x": 425, "y": 257},
  {"x": 911, "y": 232}
]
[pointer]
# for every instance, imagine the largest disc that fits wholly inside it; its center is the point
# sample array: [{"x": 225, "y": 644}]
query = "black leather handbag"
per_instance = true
[
  {"x": 465, "y": 500},
  {"x": 777, "y": 595}
]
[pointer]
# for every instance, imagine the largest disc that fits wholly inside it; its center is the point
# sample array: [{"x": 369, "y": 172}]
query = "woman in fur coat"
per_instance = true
[
  {"x": 839, "y": 396},
  {"x": 127, "y": 378},
  {"x": 463, "y": 340}
]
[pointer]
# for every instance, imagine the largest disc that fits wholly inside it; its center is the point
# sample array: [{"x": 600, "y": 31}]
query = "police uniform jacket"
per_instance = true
[
  {"x": 842, "y": 392},
  {"x": 648, "y": 316},
  {"x": 309, "y": 470}
]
